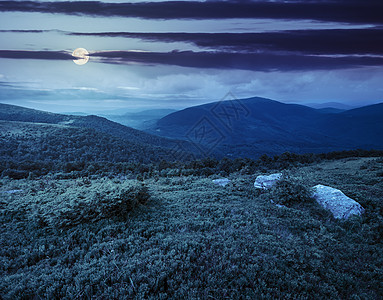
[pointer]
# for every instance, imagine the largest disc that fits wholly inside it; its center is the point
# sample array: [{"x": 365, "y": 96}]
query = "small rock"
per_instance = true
[
  {"x": 277, "y": 205},
  {"x": 341, "y": 206},
  {"x": 221, "y": 182},
  {"x": 267, "y": 181},
  {"x": 12, "y": 191}
]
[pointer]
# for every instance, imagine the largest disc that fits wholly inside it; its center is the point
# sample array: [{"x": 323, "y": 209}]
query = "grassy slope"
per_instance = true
[
  {"x": 43, "y": 141},
  {"x": 101, "y": 125},
  {"x": 195, "y": 239}
]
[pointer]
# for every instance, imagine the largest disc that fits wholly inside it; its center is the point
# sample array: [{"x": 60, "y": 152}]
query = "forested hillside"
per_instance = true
[
  {"x": 37, "y": 141},
  {"x": 96, "y": 123}
]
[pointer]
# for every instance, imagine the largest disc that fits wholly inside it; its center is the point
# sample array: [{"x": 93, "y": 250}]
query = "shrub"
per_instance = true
[
  {"x": 94, "y": 203},
  {"x": 120, "y": 202},
  {"x": 15, "y": 174},
  {"x": 288, "y": 193}
]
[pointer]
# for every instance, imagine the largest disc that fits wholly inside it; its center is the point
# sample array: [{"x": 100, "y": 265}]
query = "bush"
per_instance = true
[
  {"x": 118, "y": 203},
  {"x": 290, "y": 194},
  {"x": 15, "y": 174},
  {"x": 93, "y": 203}
]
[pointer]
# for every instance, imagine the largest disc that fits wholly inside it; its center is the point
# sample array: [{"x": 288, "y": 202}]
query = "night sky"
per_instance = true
[{"x": 146, "y": 55}]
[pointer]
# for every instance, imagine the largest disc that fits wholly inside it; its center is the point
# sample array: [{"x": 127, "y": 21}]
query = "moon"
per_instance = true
[{"x": 81, "y": 56}]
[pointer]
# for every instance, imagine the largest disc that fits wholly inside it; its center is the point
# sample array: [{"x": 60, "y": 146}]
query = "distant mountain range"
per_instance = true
[
  {"x": 254, "y": 126},
  {"x": 140, "y": 120},
  {"x": 238, "y": 128},
  {"x": 334, "y": 105}
]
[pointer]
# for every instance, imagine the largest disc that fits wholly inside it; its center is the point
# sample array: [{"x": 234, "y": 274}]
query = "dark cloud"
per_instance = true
[
  {"x": 216, "y": 60},
  {"x": 354, "y": 11},
  {"x": 22, "y": 54},
  {"x": 242, "y": 61},
  {"x": 25, "y": 31},
  {"x": 334, "y": 41},
  {"x": 319, "y": 42}
]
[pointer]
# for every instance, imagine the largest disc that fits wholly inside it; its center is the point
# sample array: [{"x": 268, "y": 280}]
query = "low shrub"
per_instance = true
[
  {"x": 290, "y": 194},
  {"x": 60, "y": 204},
  {"x": 100, "y": 204}
]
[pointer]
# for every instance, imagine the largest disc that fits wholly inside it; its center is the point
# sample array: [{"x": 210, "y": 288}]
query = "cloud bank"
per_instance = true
[
  {"x": 330, "y": 41},
  {"x": 45, "y": 55},
  {"x": 352, "y": 11},
  {"x": 216, "y": 60}
]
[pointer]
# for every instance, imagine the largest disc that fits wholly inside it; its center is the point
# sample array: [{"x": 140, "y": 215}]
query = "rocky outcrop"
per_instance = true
[
  {"x": 267, "y": 181},
  {"x": 341, "y": 206}
]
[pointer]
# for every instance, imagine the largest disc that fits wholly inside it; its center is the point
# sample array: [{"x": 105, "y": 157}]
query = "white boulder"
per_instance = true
[
  {"x": 341, "y": 206},
  {"x": 221, "y": 182},
  {"x": 267, "y": 181}
]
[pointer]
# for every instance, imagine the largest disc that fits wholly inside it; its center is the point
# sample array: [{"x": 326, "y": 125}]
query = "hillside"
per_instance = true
[
  {"x": 183, "y": 237},
  {"x": 55, "y": 142},
  {"x": 362, "y": 126},
  {"x": 100, "y": 124},
  {"x": 254, "y": 126},
  {"x": 96, "y": 124}
]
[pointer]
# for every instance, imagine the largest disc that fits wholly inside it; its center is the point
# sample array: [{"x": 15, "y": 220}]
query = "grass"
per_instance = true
[{"x": 192, "y": 238}]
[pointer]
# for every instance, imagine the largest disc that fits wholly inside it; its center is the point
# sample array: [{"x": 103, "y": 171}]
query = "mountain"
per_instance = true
[
  {"x": 336, "y": 105},
  {"x": 238, "y": 128},
  {"x": 363, "y": 126},
  {"x": 45, "y": 126},
  {"x": 28, "y": 141},
  {"x": 140, "y": 120},
  {"x": 254, "y": 126},
  {"x": 331, "y": 110}
]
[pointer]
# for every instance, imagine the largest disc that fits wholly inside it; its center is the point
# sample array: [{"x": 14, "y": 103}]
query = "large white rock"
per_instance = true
[
  {"x": 267, "y": 181},
  {"x": 221, "y": 182},
  {"x": 341, "y": 206}
]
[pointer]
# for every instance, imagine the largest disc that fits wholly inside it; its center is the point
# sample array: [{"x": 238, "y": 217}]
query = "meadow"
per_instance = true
[{"x": 177, "y": 236}]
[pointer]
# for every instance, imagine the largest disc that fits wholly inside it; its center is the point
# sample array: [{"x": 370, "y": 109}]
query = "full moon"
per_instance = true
[{"x": 81, "y": 56}]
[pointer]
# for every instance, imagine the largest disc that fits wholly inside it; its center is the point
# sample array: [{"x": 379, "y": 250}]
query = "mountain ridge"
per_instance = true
[
  {"x": 247, "y": 127},
  {"x": 11, "y": 112},
  {"x": 100, "y": 125},
  {"x": 256, "y": 125}
]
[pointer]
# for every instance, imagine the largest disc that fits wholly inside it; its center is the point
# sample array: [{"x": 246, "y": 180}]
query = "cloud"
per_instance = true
[
  {"x": 241, "y": 61},
  {"x": 330, "y": 41},
  {"x": 46, "y": 55},
  {"x": 26, "y": 30},
  {"x": 318, "y": 42},
  {"x": 352, "y": 11},
  {"x": 213, "y": 59}
]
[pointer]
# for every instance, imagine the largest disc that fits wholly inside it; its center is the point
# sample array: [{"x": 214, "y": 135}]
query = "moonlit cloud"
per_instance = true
[{"x": 213, "y": 60}]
